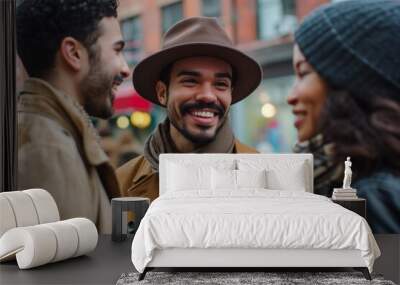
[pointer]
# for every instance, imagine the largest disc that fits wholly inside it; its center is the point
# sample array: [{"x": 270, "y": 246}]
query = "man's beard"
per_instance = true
[
  {"x": 96, "y": 89},
  {"x": 199, "y": 139}
]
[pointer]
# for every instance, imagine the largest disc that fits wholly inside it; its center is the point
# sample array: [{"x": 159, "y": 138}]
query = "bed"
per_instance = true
[{"x": 246, "y": 211}]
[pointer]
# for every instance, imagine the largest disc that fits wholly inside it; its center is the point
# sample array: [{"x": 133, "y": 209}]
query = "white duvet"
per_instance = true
[{"x": 252, "y": 218}]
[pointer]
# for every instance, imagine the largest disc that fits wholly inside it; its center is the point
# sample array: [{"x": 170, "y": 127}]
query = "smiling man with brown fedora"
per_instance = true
[{"x": 197, "y": 76}]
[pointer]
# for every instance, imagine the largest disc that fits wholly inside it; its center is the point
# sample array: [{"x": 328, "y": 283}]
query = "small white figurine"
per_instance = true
[{"x": 347, "y": 174}]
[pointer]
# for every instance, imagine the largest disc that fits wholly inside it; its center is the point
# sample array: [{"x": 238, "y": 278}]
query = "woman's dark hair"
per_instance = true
[
  {"x": 367, "y": 130},
  {"x": 43, "y": 24}
]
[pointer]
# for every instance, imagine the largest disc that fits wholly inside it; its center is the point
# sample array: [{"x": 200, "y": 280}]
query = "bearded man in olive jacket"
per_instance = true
[
  {"x": 72, "y": 51},
  {"x": 196, "y": 76}
]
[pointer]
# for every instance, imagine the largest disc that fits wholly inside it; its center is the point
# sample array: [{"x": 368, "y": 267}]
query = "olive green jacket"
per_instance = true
[
  {"x": 59, "y": 151},
  {"x": 136, "y": 177}
]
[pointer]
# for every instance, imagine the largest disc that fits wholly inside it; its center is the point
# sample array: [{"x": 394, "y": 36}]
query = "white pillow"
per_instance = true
[
  {"x": 182, "y": 177},
  {"x": 251, "y": 178},
  {"x": 223, "y": 179},
  {"x": 278, "y": 179},
  {"x": 282, "y": 174},
  {"x": 235, "y": 179}
]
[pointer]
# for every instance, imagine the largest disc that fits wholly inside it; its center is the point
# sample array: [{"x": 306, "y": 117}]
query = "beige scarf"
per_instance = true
[{"x": 160, "y": 142}]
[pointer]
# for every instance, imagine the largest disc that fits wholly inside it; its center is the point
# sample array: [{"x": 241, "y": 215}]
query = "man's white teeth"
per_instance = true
[{"x": 204, "y": 114}]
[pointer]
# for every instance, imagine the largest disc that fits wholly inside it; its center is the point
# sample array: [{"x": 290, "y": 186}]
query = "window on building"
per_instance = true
[
  {"x": 133, "y": 35},
  {"x": 276, "y": 18},
  {"x": 211, "y": 8},
  {"x": 170, "y": 15}
]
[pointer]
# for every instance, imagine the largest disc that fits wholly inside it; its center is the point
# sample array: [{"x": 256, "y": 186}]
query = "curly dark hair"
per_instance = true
[
  {"x": 43, "y": 24},
  {"x": 366, "y": 129}
]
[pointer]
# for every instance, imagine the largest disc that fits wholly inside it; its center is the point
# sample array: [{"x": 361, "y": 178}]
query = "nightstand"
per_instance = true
[
  {"x": 120, "y": 208},
  {"x": 357, "y": 205}
]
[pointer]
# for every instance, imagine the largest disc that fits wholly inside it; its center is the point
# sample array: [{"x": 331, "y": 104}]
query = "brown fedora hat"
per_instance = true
[{"x": 197, "y": 36}]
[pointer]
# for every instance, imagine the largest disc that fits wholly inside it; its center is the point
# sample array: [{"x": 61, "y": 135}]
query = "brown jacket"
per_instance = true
[
  {"x": 136, "y": 177},
  {"x": 58, "y": 150}
]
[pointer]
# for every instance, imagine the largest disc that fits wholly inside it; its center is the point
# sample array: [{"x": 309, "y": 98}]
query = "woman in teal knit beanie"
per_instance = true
[{"x": 346, "y": 101}]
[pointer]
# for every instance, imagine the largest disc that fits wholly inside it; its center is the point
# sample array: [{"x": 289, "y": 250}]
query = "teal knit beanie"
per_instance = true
[{"x": 355, "y": 45}]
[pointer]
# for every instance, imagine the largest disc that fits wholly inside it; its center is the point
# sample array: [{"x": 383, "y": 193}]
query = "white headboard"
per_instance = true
[{"x": 209, "y": 159}]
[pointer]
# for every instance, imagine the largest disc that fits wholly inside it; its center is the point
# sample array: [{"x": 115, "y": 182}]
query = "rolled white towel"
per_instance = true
[
  {"x": 33, "y": 246},
  {"x": 40, "y": 244},
  {"x": 26, "y": 208},
  {"x": 67, "y": 239},
  {"x": 23, "y": 208},
  {"x": 7, "y": 220},
  {"x": 46, "y": 207},
  {"x": 87, "y": 235}
]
